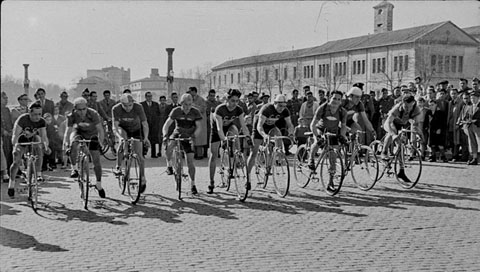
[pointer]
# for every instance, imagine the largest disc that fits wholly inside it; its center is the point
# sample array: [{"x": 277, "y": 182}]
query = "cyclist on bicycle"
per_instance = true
[
  {"x": 129, "y": 121},
  {"x": 29, "y": 127},
  {"x": 332, "y": 118},
  {"x": 84, "y": 122},
  {"x": 399, "y": 117},
  {"x": 271, "y": 116},
  {"x": 355, "y": 110},
  {"x": 223, "y": 122},
  {"x": 187, "y": 125}
]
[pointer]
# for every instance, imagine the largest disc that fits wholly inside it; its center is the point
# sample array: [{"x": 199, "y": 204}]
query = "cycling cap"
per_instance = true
[
  {"x": 280, "y": 98},
  {"x": 355, "y": 91}
]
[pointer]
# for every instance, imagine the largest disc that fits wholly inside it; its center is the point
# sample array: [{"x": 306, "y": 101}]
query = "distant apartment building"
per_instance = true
[
  {"x": 109, "y": 78},
  {"x": 158, "y": 85},
  {"x": 386, "y": 58}
]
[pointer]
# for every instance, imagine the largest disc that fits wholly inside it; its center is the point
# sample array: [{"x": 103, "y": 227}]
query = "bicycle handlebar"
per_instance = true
[{"x": 31, "y": 143}]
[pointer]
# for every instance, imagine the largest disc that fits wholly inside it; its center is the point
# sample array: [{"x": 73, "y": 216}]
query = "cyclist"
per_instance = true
[
  {"x": 129, "y": 121},
  {"x": 355, "y": 110},
  {"x": 332, "y": 118},
  {"x": 29, "y": 127},
  {"x": 85, "y": 122},
  {"x": 225, "y": 117},
  {"x": 399, "y": 117},
  {"x": 271, "y": 115},
  {"x": 187, "y": 124}
]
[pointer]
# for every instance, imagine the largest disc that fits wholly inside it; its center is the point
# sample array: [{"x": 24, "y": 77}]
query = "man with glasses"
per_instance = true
[
  {"x": 129, "y": 121},
  {"x": 29, "y": 127},
  {"x": 85, "y": 123},
  {"x": 225, "y": 120},
  {"x": 271, "y": 116},
  {"x": 64, "y": 105},
  {"x": 187, "y": 124}
]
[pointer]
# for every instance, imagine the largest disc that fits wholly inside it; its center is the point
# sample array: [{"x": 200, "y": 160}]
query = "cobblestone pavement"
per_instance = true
[{"x": 434, "y": 226}]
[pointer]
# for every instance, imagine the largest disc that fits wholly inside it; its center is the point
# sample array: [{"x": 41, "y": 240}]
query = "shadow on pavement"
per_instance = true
[
  {"x": 16, "y": 239},
  {"x": 7, "y": 210},
  {"x": 444, "y": 165}
]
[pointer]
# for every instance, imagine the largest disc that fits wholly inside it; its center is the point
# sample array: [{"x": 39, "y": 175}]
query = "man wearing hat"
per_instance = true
[
  {"x": 356, "y": 111},
  {"x": 264, "y": 99},
  {"x": 293, "y": 106},
  {"x": 64, "y": 105},
  {"x": 271, "y": 116}
]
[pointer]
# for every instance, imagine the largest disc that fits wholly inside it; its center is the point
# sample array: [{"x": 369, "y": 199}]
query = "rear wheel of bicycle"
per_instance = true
[
  {"x": 331, "y": 171},
  {"x": 281, "y": 174},
  {"x": 224, "y": 170},
  {"x": 84, "y": 180},
  {"x": 32, "y": 184},
  {"x": 133, "y": 179},
  {"x": 364, "y": 168},
  {"x": 301, "y": 171},
  {"x": 109, "y": 153},
  {"x": 377, "y": 147},
  {"x": 240, "y": 176},
  {"x": 260, "y": 167},
  {"x": 412, "y": 162}
]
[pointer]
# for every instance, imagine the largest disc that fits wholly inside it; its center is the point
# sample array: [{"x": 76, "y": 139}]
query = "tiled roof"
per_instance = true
[
  {"x": 473, "y": 30},
  {"x": 400, "y": 36}
]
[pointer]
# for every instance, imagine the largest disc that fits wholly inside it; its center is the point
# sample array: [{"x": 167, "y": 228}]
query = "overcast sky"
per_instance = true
[{"x": 62, "y": 39}]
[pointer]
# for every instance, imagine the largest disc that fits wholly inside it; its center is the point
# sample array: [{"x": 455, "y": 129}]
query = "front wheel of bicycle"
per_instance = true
[
  {"x": 224, "y": 170},
  {"x": 301, "y": 171},
  {"x": 84, "y": 179},
  {"x": 331, "y": 171},
  {"x": 178, "y": 172},
  {"x": 364, "y": 168},
  {"x": 281, "y": 174},
  {"x": 242, "y": 182},
  {"x": 377, "y": 147},
  {"x": 32, "y": 183},
  {"x": 411, "y": 160},
  {"x": 133, "y": 178},
  {"x": 260, "y": 167}
]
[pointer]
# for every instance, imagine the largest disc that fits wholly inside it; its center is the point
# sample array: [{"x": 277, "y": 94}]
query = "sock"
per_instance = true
[{"x": 99, "y": 184}]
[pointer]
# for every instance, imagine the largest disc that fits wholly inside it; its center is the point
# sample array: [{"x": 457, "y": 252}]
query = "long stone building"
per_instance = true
[{"x": 386, "y": 58}]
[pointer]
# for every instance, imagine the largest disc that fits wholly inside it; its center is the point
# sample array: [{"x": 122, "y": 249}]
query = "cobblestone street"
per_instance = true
[{"x": 432, "y": 227}]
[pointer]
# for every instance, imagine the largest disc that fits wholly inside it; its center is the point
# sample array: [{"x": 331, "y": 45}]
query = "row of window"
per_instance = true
[
  {"x": 438, "y": 63},
  {"x": 447, "y": 64}
]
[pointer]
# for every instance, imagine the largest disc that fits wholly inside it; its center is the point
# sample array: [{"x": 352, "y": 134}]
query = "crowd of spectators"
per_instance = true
[{"x": 449, "y": 123}]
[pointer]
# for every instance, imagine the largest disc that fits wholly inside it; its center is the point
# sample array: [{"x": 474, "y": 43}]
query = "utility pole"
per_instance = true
[
  {"x": 26, "y": 81},
  {"x": 170, "y": 71}
]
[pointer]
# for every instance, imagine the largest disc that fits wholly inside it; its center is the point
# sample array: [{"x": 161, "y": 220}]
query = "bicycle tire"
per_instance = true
[
  {"x": 377, "y": 147},
  {"x": 85, "y": 179},
  {"x": 412, "y": 166},
  {"x": 32, "y": 184},
  {"x": 260, "y": 167},
  {"x": 280, "y": 174},
  {"x": 133, "y": 179},
  {"x": 178, "y": 172},
  {"x": 240, "y": 176},
  {"x": 224, "y": 170},
  {"x": 301, "y": 171},
  {"x": 326, "y": 176},
  {"x": 364, "y": 168}
]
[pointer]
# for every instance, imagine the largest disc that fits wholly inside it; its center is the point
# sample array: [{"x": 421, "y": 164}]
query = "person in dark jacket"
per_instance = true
[{"x": 152, "y": 112}]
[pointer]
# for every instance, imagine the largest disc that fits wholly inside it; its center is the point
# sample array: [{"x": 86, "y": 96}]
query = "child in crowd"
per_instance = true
[
  {"x": 299, "y": 133},
  {"x": 437, "y": 132}
]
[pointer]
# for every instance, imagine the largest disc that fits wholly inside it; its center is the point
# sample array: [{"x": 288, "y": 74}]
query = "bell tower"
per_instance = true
[{"x": 383, "y": 17}]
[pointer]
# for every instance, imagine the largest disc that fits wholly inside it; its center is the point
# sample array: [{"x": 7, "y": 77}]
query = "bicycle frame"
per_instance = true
[{"x": 177, "y": 164}]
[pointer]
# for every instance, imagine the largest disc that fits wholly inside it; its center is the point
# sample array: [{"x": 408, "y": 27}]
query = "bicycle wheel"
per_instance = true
[
  {"x": 377, "y": 147},
  {"x": 240, "y": 176},
  {"x": 133, "y": 178},
  {"x": 260, "y": 167},
  {"x": 224, "y": 170},
  {"x": 178, "y": 172},
  {"x": 32, "y": 184},
  {"x": 301, "y": 172},
  {"x": 331, "y": 171},
  {"x": 281, "y": 174},
  {"x": 364, "y": 168},
  {"x": 84, "y": 179},
  {"x": 122, "y": 181},
  {"x": 109, "y": 151},
  {"x": 411, "y": 160}
]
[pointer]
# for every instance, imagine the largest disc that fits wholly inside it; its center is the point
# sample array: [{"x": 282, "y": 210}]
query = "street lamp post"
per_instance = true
[
  {"x": 26, "y": 81},
  {"x": 170, "y": 71}
]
